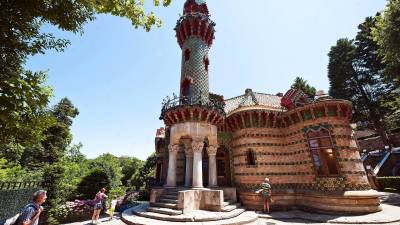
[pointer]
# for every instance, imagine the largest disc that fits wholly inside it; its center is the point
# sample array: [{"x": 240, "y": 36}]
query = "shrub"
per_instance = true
[
  {"x": 77, "y": 210},
  {"x": 389, "y": 182},
  {"x": 92, "y": 183},
  {"x": 52, "y": 181}
]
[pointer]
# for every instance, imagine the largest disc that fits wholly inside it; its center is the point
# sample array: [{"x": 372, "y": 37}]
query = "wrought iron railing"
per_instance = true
[
  {"x": 176, "y": 101},
  {"x": 19, "y": 185}
]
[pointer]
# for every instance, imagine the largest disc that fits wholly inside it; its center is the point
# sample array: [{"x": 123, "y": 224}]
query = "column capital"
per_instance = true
[
  {"x": 173, "y": 148},
  {"x": 212, "y": 150},
  {"x": 197, "y": 146},
  {"x": 189, "y": 151}
]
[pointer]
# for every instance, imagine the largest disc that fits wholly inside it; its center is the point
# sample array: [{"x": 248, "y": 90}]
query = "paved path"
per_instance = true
[
  {"x": 391, "y": 208},
  {"x": 103, "y": 221}
]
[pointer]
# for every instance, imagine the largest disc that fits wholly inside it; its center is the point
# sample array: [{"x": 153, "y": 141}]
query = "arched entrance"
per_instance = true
[
  {"x": 223, "y": 167},
  {"x": 205, "y": 165}
]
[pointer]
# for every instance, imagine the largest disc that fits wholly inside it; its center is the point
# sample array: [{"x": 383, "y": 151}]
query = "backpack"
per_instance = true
[{"x": 15, "y": 219}]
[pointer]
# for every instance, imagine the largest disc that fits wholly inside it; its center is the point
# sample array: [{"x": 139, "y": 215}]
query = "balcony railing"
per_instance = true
[{"x": 176, "y": 101}]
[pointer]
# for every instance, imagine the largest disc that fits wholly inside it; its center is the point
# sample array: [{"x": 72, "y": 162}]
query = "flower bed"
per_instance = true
[{"x": 77, "y": 210}]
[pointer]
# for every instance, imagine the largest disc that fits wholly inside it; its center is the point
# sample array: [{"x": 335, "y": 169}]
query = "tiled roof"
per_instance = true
[{"x": 255, "y": 99}]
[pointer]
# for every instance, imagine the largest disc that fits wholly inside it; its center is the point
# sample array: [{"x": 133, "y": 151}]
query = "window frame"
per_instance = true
[
  {"x": 253, "y": 157},
  {"x": 322, "y": 152}
]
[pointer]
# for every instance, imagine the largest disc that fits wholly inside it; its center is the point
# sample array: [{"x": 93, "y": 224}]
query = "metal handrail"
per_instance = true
[{"x": 209, "y": 103}]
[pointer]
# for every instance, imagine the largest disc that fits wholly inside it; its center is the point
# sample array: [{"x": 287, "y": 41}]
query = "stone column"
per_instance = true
[
  {"x": 212, "y": 166},
  {"x": 171, "y": 177},
  {"x": 189, "y": 165},
  {"x": 197, "y": 147}
]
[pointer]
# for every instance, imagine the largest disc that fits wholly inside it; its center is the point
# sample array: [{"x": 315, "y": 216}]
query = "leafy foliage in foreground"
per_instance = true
[{"x": 387, "y": 35}]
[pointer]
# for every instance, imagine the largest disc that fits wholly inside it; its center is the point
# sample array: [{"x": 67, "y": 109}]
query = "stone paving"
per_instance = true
[
  {"x": 389, "y": 216},
  {"x": 103, "y": 221}
]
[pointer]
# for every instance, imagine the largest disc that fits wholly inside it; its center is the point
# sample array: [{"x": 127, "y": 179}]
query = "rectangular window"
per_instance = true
[{"x": 322, "y": 152}]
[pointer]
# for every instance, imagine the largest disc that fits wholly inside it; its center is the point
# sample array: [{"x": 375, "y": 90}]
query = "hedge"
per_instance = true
[
  {"x": 11, "y": 201},
  {"x": 389, "y": 182}
]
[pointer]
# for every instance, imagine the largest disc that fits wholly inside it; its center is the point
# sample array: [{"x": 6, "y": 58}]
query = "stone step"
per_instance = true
[
  {"x": 228, "y": 208},
  {"x": 225, "y": 204},
  {"x": 167, "y": 200},
  {"x": 175, "y": 197},
  {"x": 165, "y": 217},
  {"x": 163, "y": 205},
  {"x": 165, "y": 211},
  {"x": 131, "y": 217}
]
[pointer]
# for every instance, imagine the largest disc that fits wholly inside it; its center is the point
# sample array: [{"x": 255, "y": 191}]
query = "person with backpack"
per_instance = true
[{"x": 30, "y": 214}]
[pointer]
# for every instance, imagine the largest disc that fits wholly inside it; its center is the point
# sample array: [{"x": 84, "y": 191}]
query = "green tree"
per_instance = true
[
  {"x": 142, "y": 178},
  {"x": 355, "y": 73},
  {"x": 23, "y": 93},
  {"x": 74, "y": 153},
  {"x": 53, "y": 177},
  {"x": 92, "y": 183},
  {"x": 130, "y": 166},
  {"x": 109, "y": 164},
  {"x": 23, "y": 107},
  {"x": 15, "y": 172},
  {"x": 57, "y": 137},
  {"x": 387, "y": 34},
  {"x": 301, "y": 84}
]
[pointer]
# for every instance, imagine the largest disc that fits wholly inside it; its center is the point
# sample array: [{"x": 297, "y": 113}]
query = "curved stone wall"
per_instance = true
[{"x": 282, "y": 153}]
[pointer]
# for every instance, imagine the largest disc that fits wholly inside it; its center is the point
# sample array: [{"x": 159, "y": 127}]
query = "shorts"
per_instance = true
[
  {"x": 111, "y": 211},
  {"x": 98, "y": 206},
  {"x": 267, "y": 199}
]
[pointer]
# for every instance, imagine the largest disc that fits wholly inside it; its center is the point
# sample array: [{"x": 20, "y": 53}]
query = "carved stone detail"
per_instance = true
[
  {"x": 212, "y": 150},
  {"x": 197, "y": 146},
  {"x": 173, "y": 148}
]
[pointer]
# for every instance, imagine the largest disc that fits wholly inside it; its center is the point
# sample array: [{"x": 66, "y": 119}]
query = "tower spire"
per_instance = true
[{"x": 195, "y": 34}]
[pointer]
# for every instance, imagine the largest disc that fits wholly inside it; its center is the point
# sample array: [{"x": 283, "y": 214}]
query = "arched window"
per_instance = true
[
  {"x": 187, "y": 54},
  {"x": 206, "y": 62},
  {"x": 322, "y": 152},
  {"x": 186, "y": 90},
  {"x": 251, "y": 157}
]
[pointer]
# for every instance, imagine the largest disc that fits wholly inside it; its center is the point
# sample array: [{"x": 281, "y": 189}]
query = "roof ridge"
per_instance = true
[
  {"x": 266, "y": 94},
  {"x": 234, "y": 97}
]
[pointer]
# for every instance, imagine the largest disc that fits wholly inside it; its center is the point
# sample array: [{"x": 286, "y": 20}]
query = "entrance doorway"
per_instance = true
[
  {"x": 205, "y": 167},
  {"x": 223, "y": 167}
]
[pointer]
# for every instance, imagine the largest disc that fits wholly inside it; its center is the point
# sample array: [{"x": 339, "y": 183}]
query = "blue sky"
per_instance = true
[{"x": 117, "y": 76}]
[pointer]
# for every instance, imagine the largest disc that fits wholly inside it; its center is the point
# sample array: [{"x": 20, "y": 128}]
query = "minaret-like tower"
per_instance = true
[
  {"x": 195, "y": 34},
  {"x": 192, "y": 117}
]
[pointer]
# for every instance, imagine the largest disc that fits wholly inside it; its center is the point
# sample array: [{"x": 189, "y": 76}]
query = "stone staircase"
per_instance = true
[
  {"x": 166, "y": 209},
  {"x": 167, "y": 204}
]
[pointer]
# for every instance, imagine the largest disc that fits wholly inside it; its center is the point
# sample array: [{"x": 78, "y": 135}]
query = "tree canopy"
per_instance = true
[
  {"x": 301, "y": 84},
  {"x": 24, "y": 95},
  {"x": 355, "y": 73},
  {"x": 387, "y": 35}
]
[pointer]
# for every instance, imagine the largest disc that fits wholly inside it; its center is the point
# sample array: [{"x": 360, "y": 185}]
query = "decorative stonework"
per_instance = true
[
  {"x": 197, "y": 146},
  {"x": 278, "y": 137},
  {"x": 330, "y": 183},
  {"x": 173, "y": 148},
  {"x": 212, "y": 150}
]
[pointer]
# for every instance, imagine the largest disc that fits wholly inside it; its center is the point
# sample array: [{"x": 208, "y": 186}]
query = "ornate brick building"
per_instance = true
[{"x": 305, "y": 146}]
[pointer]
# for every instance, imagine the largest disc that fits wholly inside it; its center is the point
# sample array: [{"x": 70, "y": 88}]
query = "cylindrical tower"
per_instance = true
[
  {"x": 193, "y": 117},
  {"x": 195, "y": 33}
]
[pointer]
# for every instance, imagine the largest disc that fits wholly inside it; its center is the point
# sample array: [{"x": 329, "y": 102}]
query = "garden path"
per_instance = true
[{"x": 103, "y": 221}]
